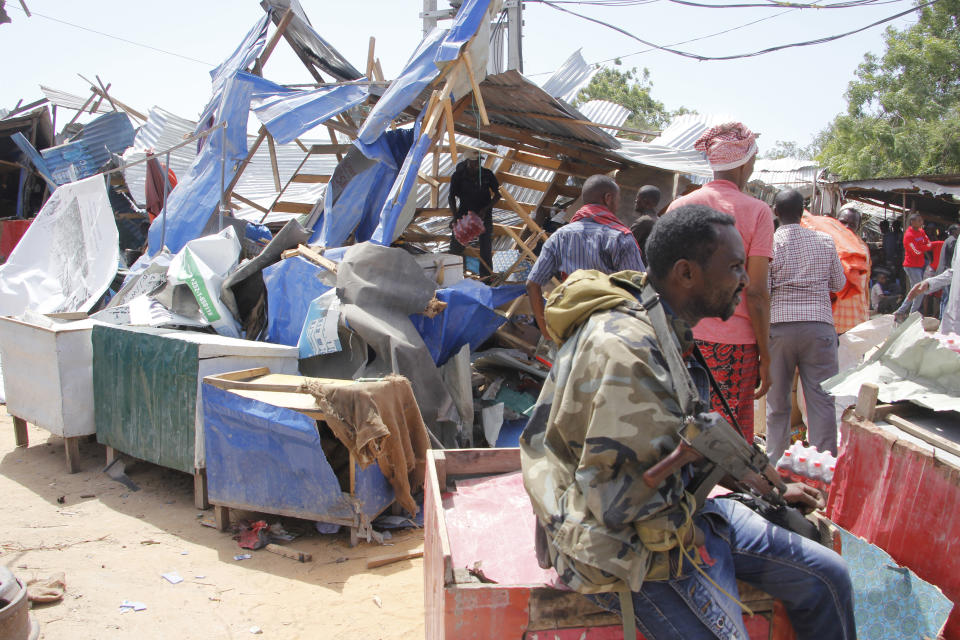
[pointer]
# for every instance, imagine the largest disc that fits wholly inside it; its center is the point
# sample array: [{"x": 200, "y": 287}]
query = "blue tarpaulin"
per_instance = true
[
  {"x": 195, "y": 198},
  {"x": 392, "y": 213},
  {"x": 35, "y": 159},
  {"x": 288, "y": 113},
  {"x": 419, "y": 71},
  {"x": 262, "y": 457},
  {"x": 359, "y": 187},
  {"x": 465, "y": 25},
  {"x": 291, "y": 285},
  {"x": 468, "y": 319}
]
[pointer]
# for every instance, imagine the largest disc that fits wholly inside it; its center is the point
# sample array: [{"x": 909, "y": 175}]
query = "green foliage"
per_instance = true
[
  {"x": 631, "y": 89},
  {"x": 789, "y": 149},
  {"x": 903, "y": 108}
]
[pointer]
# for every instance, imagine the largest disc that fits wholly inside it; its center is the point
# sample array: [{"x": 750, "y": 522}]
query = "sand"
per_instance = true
[{"x": 115, "y": 545}]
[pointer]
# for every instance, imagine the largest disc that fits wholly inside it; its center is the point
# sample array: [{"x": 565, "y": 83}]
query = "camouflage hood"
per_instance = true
[{"x": 584, "y": 293}]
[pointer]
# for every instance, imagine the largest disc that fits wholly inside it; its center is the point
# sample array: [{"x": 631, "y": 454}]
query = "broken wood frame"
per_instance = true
[{"x": 248, "y": 382}]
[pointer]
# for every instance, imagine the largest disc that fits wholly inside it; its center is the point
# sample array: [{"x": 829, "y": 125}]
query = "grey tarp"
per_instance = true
[{"x": 379, "y": 288}]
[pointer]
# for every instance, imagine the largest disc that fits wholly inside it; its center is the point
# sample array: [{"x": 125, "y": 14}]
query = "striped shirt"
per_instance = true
[
  {"x": 586, "y": 245},
  {"x": 804, "y": 270}
]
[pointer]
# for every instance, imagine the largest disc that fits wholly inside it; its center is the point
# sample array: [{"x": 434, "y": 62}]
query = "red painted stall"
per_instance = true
[{"x": 902, "y": 495}]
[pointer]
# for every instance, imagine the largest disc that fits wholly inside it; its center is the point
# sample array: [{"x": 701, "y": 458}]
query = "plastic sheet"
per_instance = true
[
  {"x": 399, "y": 208},
  {"x": 469, "y": 318},
  {"x": 291, "y": 285},
  {"x": 359, "y": 188},
  {"x": 191, "y": 204},
  {"x": 288, "y": 113},
  {"x": 68, "y": 257}
]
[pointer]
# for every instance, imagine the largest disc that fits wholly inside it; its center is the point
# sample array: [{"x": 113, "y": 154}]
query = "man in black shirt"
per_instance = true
[{"x": 478, "y": 190}]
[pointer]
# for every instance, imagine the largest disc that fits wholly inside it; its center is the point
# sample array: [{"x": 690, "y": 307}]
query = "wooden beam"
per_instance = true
[
  {"x": 334, "y": 142},
  {"x": 249, "y": 203},
  {"x": 535, "y": 160},
  {"x": 476, "y": 88},
  {"x": 292, "y": 207},
  {"x": 37, "y": 103},
  {"x": 243, "y": 165},
  {"x": 370, "y": 48},
  {"x": 522, "y": 181},
  {"x": 273, "y": 162},
  {"x": 448, "y": 111},
  {"x": 329, "y": 149},
  {"x": 378, "y": 71},
  {"x": 432, "y": 212},
  {"x": 313, "y": 256},
  {"x": 424, "y": 178},
  {"x": 274, "y": 39},
  {"x": 100, "y": 82},
  {"x": 310, "y": 178}
]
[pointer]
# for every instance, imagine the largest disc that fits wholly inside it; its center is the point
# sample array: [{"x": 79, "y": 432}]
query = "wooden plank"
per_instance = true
[
  {"x": 370, "y": 48},
  {"x": 377, "y": 71},
  {"x": 520, "y": 211},
  {"x": 926, "y": 435},
  {"x": 246, "y": 161},
  {"x": 292, "y": 207},
  {"x": 432, "y": 212},
  {"x": 71, "y": 446},
  {"x": 200, "y": 499},
  {"x": 428, "y": 179},
  {"x": 310, "y": 178},
  {"x": 330, "y": 149},
  {"x": 273, "y": 161},
  {"x": 274, "y": 39},
  {"x": 293, "y": 554},
  {"x": 433, "y": 113},
  {"x": 520, "y": 243},
  {"x": 448, "y": 110},
  {"x": 543, "y": 162},
  {"x": 867, "y": 401},
  {"x": 20, "y": 434},
  {"x": 481, "y": 461},
  {"x": 522, "y": 181},
  {"x": 435, "y": 521},
  {"x": 390, "y": 558},
  {"x": 313, "y": 256},
  {"x": 569, "y": 120},
  {"x": 243, "y": 374},
  {"x": 481, "y": 107},
  {"x": 221, "y": 515},
  {"x": 249, "y": 203}
]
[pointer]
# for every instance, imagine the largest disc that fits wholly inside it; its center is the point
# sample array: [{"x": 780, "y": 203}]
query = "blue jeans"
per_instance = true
[
  {"x": 811, "y": 581},
  {"x": 915, "y": 275}
]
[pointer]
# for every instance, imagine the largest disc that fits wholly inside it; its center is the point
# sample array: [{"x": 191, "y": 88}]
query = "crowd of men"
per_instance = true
[{"x": 710, "y": 303}]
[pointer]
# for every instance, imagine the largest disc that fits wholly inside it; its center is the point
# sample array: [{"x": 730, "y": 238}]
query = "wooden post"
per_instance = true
[
  {"x": 200, "y": 500},
  {"x": 221, "y": 515},
  {"x": 354, "y": 533},
  {"x": 71, "y": 446},
  {"x": 267, "y": 50},
  {"x": 481, "y": 107},
  {"x": 370, "y": 60},
  {"x": 20, "y": 432},
  {"x": 273, "y": 162},
  {"x": 111, "y": 455},
  {"x": 866, "y": 407}
]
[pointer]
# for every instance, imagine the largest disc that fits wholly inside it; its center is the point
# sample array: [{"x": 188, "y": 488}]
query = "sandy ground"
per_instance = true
[{"x": 115, "y": 545}]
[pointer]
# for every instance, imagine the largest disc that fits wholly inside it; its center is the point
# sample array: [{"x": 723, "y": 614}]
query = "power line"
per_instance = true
[
  {"x": 695, "y": 56},
  {"x": 108, "y": 35}
]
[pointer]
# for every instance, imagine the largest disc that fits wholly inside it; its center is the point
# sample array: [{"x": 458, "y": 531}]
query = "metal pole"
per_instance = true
[
  {"x": 515, "y": 35},
  {"x": 166, "y": 194},
  {"x": 429, "y": 16},
  {"x": 223, "y": 169}
]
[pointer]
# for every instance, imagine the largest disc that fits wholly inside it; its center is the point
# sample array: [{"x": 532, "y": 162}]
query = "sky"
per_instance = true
[{"x": 788, "y": 95}]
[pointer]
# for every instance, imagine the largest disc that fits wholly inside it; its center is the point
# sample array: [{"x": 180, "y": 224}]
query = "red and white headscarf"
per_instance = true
[{"x": 727, "y": 146}]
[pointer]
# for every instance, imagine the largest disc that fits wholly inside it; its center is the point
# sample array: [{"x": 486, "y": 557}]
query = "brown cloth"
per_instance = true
[{"x": 379, "y": 421}]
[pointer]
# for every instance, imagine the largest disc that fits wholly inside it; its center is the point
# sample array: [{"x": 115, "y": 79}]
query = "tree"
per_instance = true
[
  {"x": 903, "y": 108},
  {"x": 630, "y": 89},
  {"x": 788, "y": 149}
]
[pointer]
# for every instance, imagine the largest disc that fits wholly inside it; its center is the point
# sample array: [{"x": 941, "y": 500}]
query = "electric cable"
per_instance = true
[
  {"x": 695, "y": 56},
  {"x": 108, "y": 35}
]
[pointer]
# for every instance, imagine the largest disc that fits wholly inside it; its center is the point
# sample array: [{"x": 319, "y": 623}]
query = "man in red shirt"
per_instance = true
[
  {"x": 737, "y": 350},
  {"x": 915, "y": 244}
]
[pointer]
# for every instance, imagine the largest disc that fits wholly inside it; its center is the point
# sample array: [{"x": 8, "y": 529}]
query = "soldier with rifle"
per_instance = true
[{"x": 621, "y": 451}]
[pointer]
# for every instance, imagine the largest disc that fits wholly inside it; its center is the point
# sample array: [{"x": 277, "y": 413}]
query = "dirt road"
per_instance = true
[{"x": 115, "y": 545}]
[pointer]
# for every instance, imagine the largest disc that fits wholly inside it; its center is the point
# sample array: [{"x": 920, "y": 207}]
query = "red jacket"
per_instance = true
[{"x": 915, "y": 243}]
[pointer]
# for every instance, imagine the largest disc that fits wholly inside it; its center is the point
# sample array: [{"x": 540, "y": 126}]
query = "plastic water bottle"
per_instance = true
[
  {"x": 801, "y": 468},
  {"x": 785, "y": 465},
  {"x": 816, "y": 473},
  {"x": 828, "y": 475}
]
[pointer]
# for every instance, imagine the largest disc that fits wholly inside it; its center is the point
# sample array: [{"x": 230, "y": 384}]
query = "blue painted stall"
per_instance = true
[{"x": 266, "y": 458}]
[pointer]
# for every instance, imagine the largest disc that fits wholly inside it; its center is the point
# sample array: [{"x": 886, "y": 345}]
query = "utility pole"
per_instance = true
[
  {"x": 429, "y": 15},
  {"x": 514, "y": 34}
]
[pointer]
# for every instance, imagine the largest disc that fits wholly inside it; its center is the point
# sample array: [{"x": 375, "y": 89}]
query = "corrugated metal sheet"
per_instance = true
[
  {"x": 511, "y": 99},
  {"x": 71, "y": 101},
  {"x": 786, "y": 173},
  {"x": 90, "y": 150},
  {"x": 605, "y": 112},
  {"x": 567, "y": 81},
  {"x": 684, "y": 130}
]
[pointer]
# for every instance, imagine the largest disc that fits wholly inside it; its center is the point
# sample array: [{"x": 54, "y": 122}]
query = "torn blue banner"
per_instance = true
[
  {"x": 291, "y": 285},
  {"x": 195, "y": 198},
  {"x": 399, "y": 208},
  {"x": 469, "y": 318},
  {"x": 469, "y": 18},
  {"x": 319, "y": 335},
  {"x": 288, "y": 113}
]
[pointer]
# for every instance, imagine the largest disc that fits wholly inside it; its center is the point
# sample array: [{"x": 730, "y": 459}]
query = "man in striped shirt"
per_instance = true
[
  {"x": 594, "y": 239},
  {"x": 804, "y": 270}
]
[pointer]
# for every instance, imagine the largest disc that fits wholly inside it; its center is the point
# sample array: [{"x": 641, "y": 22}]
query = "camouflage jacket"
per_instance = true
[{"x": 608, "y": 411}]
